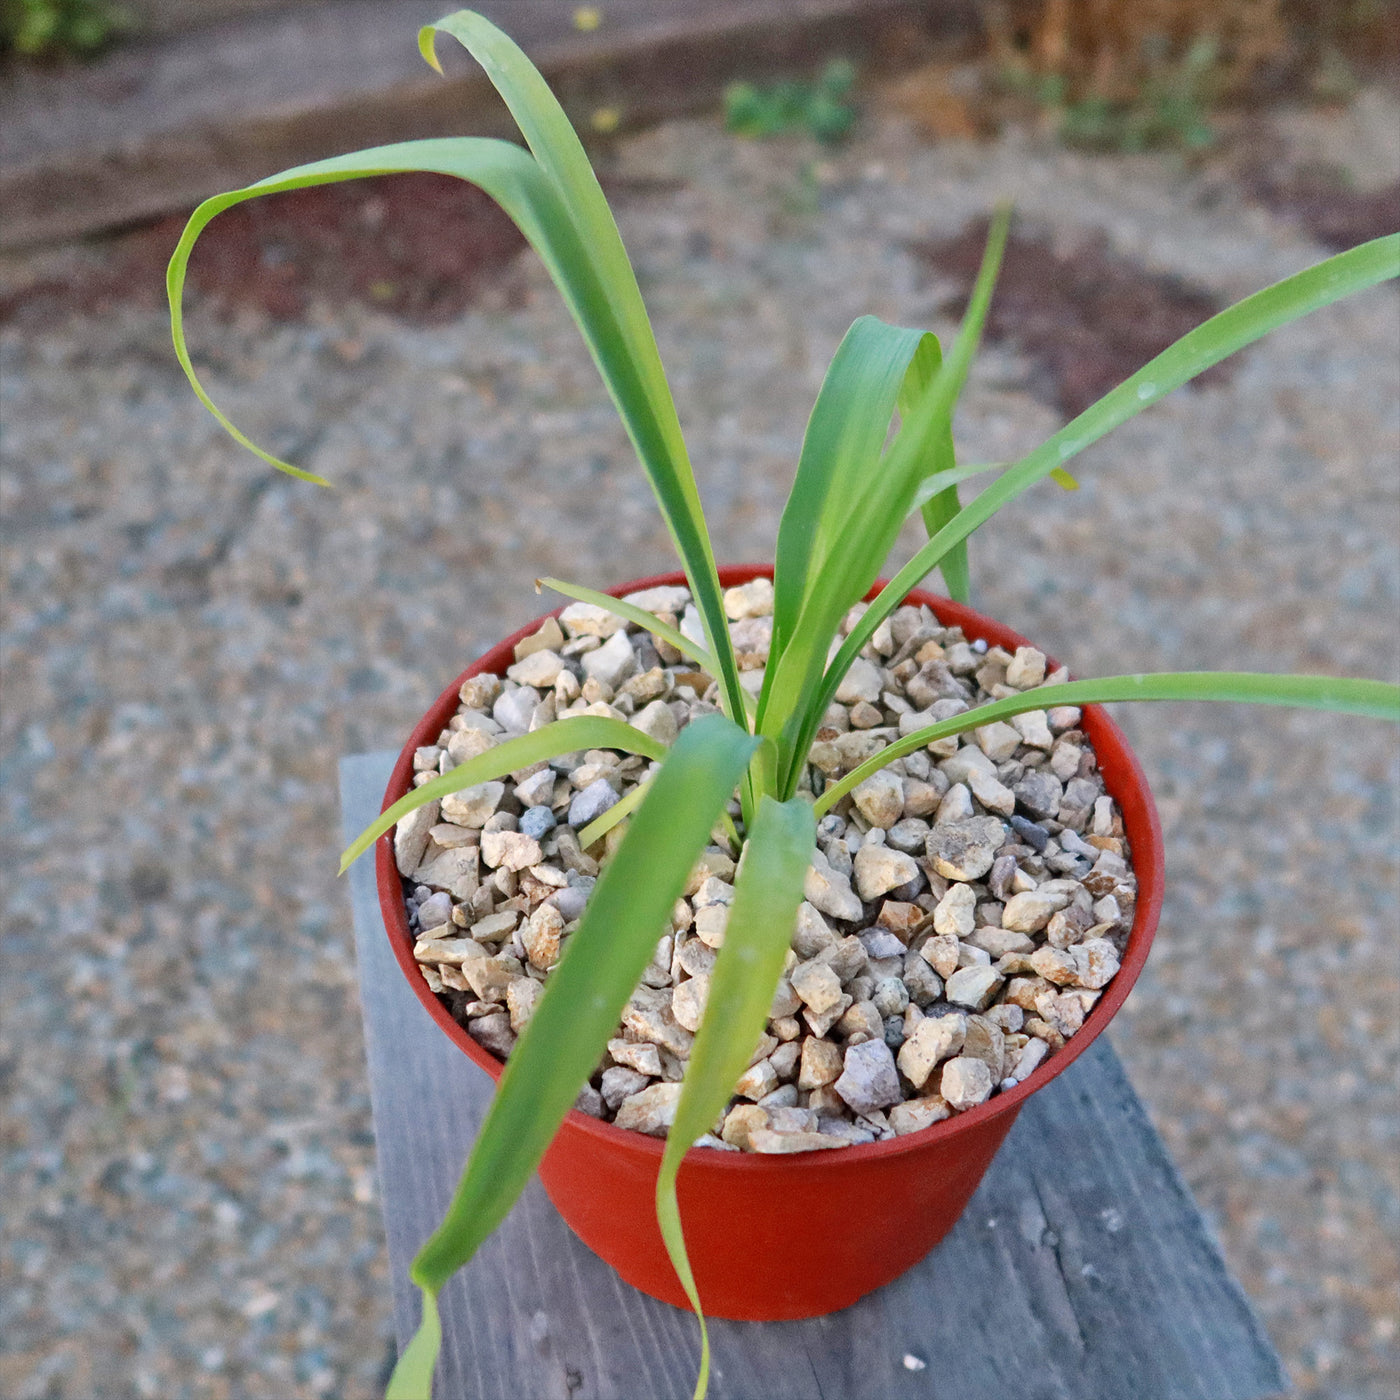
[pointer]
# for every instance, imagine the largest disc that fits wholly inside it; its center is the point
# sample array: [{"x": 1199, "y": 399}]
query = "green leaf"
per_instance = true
[
  {"x": 584, "y": 995},
  {"x": 840, "y": 452},
  {"x": 638, "y": 616},
  {"x": 412, "y": 1378},
  {"x": 628, "y": 353},
  {"x": 1212, "y": 341},
  {"x": 944, "y": 506},
  {"x": 563, "y": 736},
  {"x": 756, "y": 939},
  {"x": 1372, "y": 699},
  {"x": 844, "y": 513},
  {"x": 619, "y": 811}
]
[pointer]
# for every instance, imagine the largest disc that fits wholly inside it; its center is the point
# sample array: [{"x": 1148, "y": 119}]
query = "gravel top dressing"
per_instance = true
[{"x": 966, "y": 907}]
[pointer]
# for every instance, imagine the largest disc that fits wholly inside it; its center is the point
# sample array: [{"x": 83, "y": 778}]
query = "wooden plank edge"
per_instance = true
[{"x": 644, "y": 74}]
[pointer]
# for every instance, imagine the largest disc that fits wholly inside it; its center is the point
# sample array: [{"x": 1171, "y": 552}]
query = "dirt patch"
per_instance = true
[
  {"x": 420, "y": 246},
  {"x": 1321, "y": 200},
  {"x": 1085, "y": 319}
]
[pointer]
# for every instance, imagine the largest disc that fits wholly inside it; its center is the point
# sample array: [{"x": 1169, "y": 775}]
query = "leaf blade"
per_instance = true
[
  {"x": 586, "y": 991},
  {"x": 651, "y": 419},
  {"x": 942, "y": 508},
  {"x": 1342, "y": 275},
  {"x": 563, "y": 736},
  {"x": 1343, "y": 695},
  {"x": 766, "y": 897}
]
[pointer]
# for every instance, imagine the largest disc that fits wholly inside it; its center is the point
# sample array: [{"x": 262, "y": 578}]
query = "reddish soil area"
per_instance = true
[
  {"x": 421, "y": 246},
  {"x": 1320, "y": 200},
  {"x": 1086, "y": 320}
]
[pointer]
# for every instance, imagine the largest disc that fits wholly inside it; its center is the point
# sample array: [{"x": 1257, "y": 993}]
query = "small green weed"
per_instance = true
[
  {"x": 823, "y": 108},
  {"x": 55, "y": 28},
  {"x": 1170, "y": 111}
]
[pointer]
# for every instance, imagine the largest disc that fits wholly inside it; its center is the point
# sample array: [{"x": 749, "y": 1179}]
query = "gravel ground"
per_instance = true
[{"x": 191, "y": 641}]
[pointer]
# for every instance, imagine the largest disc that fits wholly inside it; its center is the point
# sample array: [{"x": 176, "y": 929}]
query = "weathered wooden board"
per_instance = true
[
  {"x": 1081, "y": 1269},
  {"x": 157, "y": 125}
]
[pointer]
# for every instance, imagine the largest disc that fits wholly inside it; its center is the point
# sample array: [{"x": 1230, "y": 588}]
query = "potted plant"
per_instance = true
[{"x": 723, "y": 796}]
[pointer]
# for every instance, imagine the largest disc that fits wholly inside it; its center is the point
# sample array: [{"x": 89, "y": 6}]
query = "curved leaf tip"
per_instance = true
[{"x": 427, "y": 46}]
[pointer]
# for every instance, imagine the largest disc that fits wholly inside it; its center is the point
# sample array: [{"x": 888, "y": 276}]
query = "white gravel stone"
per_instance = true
[
  {"x": 592, "y": 802},
  {"x": 589, "y": 620},
  {"x": 993, "y": 794},
  {"x": 411, "y": 837},
  {"x": 1034, "y": 728},
  {"x": 997, "y": 740},
  {"x": 752, "y": 599},
  {"x": 965, "y": 850},
  {"x": 829, "y": 891},
  {"x": 514, "y": 709},
  {"x": 657, "y": 720},
  {"x": 956, "y": 912},
  {"x": 473, "y": 806},
  {"x": 1031, "y": 1055},
  {"x": 864, "y": 681},
  {"x": 665, "y": 598},
  {"x": 612, "y": 663},
  {"x": 869, "y": 1079},
  {"x": 539, "y": 668}
]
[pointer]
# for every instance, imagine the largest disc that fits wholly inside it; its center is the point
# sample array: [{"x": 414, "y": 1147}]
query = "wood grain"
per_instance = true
[{"x": 1081, "y": 1269}]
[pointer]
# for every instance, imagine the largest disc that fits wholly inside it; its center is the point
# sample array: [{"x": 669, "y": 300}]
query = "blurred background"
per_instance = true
[{"x": 191, "y": 641}]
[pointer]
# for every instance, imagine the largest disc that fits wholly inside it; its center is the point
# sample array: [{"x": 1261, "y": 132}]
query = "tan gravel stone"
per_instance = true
[
  {"x": 1027, "y": 668},
  {"x": 914, "y": 1114},
  {"x": 640, "y": 1055},
  {"x": 741, "y": 1122},
  {"x": 768, "y": 1141},
  {"x": 651, "y": 1111},
  {"x": 752, "y": 599},
  {"x": 955, "y": 912},
  {"x": 830, "y": 892},
  {"x": 880, "y": 799},
  {"x": 965, "y": 1083},
  {"x": 878, "y": 870},
  {"x": 757, "y": 1081},
  {"x": 817, "y": 984},
  {"x": 974, "y": 986},
  {"x": 511, "y": 850},
  {"x": 543, "y": 933},
  {"x": 589, "y": 620},
  {"x": 820, "y": 1064},
  {"x": 474, "y": 805},
  {"x": 934, "y": 1039},
  {"x": 688, "y": 1001}
]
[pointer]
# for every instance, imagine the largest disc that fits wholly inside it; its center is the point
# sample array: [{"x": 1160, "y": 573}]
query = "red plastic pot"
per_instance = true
[{"x": 792, "y": 1236}]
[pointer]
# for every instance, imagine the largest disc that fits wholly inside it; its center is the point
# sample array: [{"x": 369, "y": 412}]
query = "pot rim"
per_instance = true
[{"x": 1148, "y": 863}]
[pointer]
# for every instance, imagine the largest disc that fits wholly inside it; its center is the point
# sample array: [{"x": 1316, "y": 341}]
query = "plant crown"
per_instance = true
[{"x": 854, "y": 488}]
